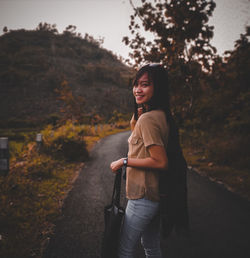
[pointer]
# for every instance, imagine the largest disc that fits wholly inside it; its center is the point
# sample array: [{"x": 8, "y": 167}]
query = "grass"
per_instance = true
[
  {"x": 103, "y": 131},
  {"x": 31, "y": 199},
  {"x": 29, "y": 208},
  {"x": 32, "y": 194},
  {"x": 220, "y": 156},
  {"x": 235, "y": 180}
]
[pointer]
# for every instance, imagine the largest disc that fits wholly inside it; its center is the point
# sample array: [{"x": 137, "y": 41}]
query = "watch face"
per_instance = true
[{"x": 125, "y": 161}]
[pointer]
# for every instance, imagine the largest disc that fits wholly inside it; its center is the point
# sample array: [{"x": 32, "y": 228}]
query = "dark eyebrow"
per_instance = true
[{"x": 142, "y": 82}]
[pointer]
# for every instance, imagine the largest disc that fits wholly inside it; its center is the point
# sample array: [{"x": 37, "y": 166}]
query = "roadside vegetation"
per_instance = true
[
  {"x": 40, "y": 176},
  {"x": 32, "y": 194}
]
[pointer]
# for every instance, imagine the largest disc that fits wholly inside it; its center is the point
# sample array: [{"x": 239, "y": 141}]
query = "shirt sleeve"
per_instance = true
[{"x": 150, "y": 131}]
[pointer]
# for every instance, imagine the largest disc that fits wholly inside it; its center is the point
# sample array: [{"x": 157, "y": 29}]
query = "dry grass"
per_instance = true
[
  {"x": 103, "y": 131},
  {"x": 32, "y": 194},
  {"x": 235, "y": 180}
]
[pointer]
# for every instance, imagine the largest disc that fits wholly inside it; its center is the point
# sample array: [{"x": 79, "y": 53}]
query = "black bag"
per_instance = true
[{"x": 113, "y": 218}]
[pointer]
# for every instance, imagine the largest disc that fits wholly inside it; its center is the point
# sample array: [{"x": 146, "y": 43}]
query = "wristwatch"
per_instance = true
[{"x": 125, "y": 162}]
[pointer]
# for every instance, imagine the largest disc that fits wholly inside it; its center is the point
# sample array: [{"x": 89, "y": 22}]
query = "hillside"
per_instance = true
[{"x": 34, "y": 63}]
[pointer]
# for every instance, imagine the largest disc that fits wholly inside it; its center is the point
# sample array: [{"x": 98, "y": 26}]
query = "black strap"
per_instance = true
[{"x": 117, "y": 188}]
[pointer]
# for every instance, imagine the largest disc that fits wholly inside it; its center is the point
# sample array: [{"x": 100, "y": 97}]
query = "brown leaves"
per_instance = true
[{"x": 73, "y": 106}]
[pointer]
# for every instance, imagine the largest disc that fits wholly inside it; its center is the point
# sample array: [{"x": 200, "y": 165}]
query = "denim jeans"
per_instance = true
[{"x": 141, "y": 221}]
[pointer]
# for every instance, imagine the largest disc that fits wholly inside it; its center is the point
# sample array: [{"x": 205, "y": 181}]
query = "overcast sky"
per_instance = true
[{"x": 110, "y": 19}]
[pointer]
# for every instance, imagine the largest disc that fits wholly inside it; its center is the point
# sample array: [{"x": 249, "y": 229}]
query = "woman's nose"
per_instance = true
[{"x": 138, "y": 89}]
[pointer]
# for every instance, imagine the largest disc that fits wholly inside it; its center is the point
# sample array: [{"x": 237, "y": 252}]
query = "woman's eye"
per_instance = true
[{"x": 145, "y": 84}]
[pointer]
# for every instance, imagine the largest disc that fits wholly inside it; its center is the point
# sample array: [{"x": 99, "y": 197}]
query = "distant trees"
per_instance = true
[
  {"x": 91, "y": 39},
  {"x": 70, "y": 30},
  {"x": 5, "y": 29},
  {"x": 223, "y": 111},
  {"x": 229, "y": 81},
  {"x": 47, "y": 27}
]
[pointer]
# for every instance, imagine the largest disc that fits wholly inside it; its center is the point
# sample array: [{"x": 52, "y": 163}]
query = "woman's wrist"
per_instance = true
[{"x": 125, "y": 162}]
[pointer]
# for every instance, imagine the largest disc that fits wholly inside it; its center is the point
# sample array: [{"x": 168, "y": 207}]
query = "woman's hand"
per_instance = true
[{"x": 115, "y": 165}]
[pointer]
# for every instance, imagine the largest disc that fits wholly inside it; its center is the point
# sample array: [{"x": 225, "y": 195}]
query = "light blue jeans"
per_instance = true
[{"x": 141, "y": 220}]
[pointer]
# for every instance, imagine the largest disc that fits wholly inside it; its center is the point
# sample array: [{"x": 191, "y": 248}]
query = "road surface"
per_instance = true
[{"x": 219, "y": 220}]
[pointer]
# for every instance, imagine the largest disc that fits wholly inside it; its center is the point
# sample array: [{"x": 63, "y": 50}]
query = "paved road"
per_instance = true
[{"x": 220, "y": 220}]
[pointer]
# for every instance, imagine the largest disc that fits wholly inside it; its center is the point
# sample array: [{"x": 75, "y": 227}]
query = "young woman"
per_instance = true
[{"x": 147, "y": 160}]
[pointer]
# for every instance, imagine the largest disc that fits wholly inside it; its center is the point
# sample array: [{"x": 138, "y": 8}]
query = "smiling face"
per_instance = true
[{"x": 143, "y": 90}]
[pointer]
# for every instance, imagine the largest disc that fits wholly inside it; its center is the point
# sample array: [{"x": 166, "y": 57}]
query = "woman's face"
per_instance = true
[{"x": 144, "y": 89}]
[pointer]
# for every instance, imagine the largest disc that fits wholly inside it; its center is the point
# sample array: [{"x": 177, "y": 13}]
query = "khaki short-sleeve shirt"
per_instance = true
[{"x": 150, "y": 129}]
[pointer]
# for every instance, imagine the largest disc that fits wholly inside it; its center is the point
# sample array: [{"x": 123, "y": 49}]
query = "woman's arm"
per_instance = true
[{"x": 157, "y": 160}]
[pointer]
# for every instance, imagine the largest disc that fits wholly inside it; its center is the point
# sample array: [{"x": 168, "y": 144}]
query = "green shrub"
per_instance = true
[
  {"x": 15, "y": 149},
  {"x": 52, "y": 119},
  {"x": 40, "y": 166},
  {"x": 65, "y": 142}
]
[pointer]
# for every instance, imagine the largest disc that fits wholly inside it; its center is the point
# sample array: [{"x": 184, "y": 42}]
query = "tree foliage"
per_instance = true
[
  {"x": 47, "y": 27},
  {"x": 222, "y": 114},
  {"x": 210, "y": 93},
  {"x": 181, "y": 41},
  {"x": 73, "y": 106},
  {"x": 179, "y": 28},
  {"x": 229, "y": 83}
]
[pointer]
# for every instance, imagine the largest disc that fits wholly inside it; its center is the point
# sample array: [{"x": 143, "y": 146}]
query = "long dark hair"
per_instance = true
[{"x": 173, "y": 183}]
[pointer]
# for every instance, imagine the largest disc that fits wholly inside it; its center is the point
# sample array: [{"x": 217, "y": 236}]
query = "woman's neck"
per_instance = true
[{"x": 146, "y": 107}]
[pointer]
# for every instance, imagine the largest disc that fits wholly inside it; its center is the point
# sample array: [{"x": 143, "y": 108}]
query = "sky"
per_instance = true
[{"x": 109, "y": 19}]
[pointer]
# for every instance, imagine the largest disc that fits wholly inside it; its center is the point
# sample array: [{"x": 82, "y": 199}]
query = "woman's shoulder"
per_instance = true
[
  {"x": 153, "y": 123},
  {"x": 152, "y": 116}
]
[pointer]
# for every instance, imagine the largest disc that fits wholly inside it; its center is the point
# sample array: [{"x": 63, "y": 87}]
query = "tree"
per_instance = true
[
  {"x": 73, "y": 107},
  {"x": 97, "y": 42},
  {"x": 181, "y": 41},
  {"x": 5, "y": 29},
  {"x": 47, "y": 27},
  {"x": 70, "y": 30},
  {"x": 232, "y": 78},
  {"x": 223, "y": 113},
  {"x": 238, "y": 61}
]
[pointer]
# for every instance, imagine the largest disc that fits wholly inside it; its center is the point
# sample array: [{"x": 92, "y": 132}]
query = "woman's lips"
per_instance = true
[{"x": 139, "y": 97}]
